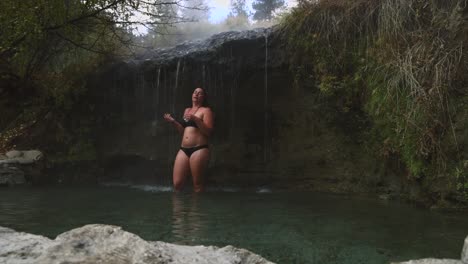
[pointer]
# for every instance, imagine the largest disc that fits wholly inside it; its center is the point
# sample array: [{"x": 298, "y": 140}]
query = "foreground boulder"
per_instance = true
[
  {"x": 463, "y": 260},
  {"x": 110, "y": 244}
]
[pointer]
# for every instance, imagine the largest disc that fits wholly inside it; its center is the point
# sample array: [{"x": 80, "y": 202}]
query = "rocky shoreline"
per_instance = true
[{"x": 97, "y": 243}]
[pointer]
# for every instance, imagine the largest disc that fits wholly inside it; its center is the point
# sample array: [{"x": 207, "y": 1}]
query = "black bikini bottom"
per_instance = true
[{"x": 190, "y": 151}]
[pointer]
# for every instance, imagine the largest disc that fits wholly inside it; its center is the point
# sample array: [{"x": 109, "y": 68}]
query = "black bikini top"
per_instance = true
[{"x": 189, "y": 123}]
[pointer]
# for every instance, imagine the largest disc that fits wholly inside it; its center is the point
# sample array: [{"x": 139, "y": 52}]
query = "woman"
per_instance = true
[{"x": 196, "y": 128}]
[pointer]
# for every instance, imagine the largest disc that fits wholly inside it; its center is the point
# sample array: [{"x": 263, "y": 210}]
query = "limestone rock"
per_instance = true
[
  {"x": 110, "y": 244},
  {"x": 431, "y": 261},
  {"x": 13, "y": 154},
  {"x": 19, "y": 247},
  {"x": 205, "y": 49},
  {"x": 464, "y": 255},
  {"x": 22, "y": 157}
]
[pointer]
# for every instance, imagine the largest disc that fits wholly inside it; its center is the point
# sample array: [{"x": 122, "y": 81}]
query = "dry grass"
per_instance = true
[{"x": 421, "y": 47}]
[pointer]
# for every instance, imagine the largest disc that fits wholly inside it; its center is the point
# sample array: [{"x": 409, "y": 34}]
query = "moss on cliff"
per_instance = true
[{"x": 403, "y": 63}]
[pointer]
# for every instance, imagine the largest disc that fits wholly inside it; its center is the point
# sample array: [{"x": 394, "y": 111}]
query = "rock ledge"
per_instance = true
[{"x": 99, "y": 243}]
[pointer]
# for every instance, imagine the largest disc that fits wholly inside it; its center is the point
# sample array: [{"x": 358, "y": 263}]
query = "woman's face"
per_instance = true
[{"x": 198, "y": 95}]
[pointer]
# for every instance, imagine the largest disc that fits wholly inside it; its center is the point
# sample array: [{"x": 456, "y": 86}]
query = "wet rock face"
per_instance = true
[
  {"x": 267, "y": 130},
  {"x": 205, "y": 50},
  {"x": 242, "y": 73},
  {"x": 464, "y": 255},
  {"x": 110, "y": 244}
]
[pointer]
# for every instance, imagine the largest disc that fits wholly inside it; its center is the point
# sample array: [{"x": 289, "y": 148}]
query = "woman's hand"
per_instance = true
[
  {"x": 176, "y": 124},
  {"x": 169, "y": 118},
  {"x": 188, "y": 117}
]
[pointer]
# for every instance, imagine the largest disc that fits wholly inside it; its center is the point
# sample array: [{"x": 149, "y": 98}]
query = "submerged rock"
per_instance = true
[
  {"x": 464, "y": 258},
  {"x": 98, "y": 243}
]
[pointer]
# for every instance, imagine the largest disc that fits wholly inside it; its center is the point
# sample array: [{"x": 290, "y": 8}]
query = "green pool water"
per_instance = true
[{"x": 284, "y": 227}]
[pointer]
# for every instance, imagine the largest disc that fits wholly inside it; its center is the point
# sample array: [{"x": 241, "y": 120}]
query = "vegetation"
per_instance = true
[
  {"x": 39, "y": 34},
  {"x": 196, "y": 10},
  {"x": 401, "y": 62},
  {"x": 239, "y": 15},
  {"x": 265, "y": 9},
  {"x": 199, "y": 27},
  {"x": 49, "y": 48},
  {"x": 239, "y": 8}
]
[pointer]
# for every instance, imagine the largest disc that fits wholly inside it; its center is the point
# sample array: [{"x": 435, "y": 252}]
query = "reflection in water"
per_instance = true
[{"x": 187, "y": 220}]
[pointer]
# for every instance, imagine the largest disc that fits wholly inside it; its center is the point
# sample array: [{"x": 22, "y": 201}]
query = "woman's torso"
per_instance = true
[{"x": 192, "y": 135}]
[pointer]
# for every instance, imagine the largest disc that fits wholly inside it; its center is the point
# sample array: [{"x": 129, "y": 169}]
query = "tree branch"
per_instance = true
[
  {"x": 79, "y": 45},
  {"x": 92, "y": 14}
]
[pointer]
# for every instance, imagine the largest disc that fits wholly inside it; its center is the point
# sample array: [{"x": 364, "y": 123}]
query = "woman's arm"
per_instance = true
[{"x": 174, "y": 122}]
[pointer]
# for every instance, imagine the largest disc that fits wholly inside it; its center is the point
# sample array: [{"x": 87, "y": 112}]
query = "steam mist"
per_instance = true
[
  {"x": 198, "y": 30},
  {"x": 199, "y": 27}
]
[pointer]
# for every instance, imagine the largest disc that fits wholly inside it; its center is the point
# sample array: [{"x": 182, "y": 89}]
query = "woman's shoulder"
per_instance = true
[{"x": 206, "y": 109}]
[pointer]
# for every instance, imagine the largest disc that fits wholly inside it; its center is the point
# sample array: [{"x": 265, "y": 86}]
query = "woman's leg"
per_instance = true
[
  {"x": 181, "y": 170},
  {"x": 198, "y": 164}
]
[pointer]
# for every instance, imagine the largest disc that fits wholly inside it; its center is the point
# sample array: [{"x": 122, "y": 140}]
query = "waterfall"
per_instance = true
[
  {"x": 157, "y": 97},
  {"x": 155, "y": 103},
  {"x": 230, "y": 69},
  {"x": 167, "y": 180},
  {"x": 166, "y": 91},
  {"x": 203, "y": 76},
  {"x": 175, "y": 136},
  {"x": 266, "y": 148},
  {"x": 141, "y": 100},
  {"x": 138, "y": 93},
  {"x": 234, "y": 87},
  {"x": 175, "y": 87}
]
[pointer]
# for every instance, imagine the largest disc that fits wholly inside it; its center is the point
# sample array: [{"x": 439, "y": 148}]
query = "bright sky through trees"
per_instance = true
[{"x": 219, "y": 9}]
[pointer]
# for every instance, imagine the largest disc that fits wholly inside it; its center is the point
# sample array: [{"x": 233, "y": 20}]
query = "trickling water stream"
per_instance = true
[
  {"x": 233, "y": 80},
  {"x": 266, "y": 135},
  {"x": 157, "y": 93}
]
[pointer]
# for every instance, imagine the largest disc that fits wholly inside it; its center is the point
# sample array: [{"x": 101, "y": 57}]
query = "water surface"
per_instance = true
[{"x": 283, "y": 227}]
